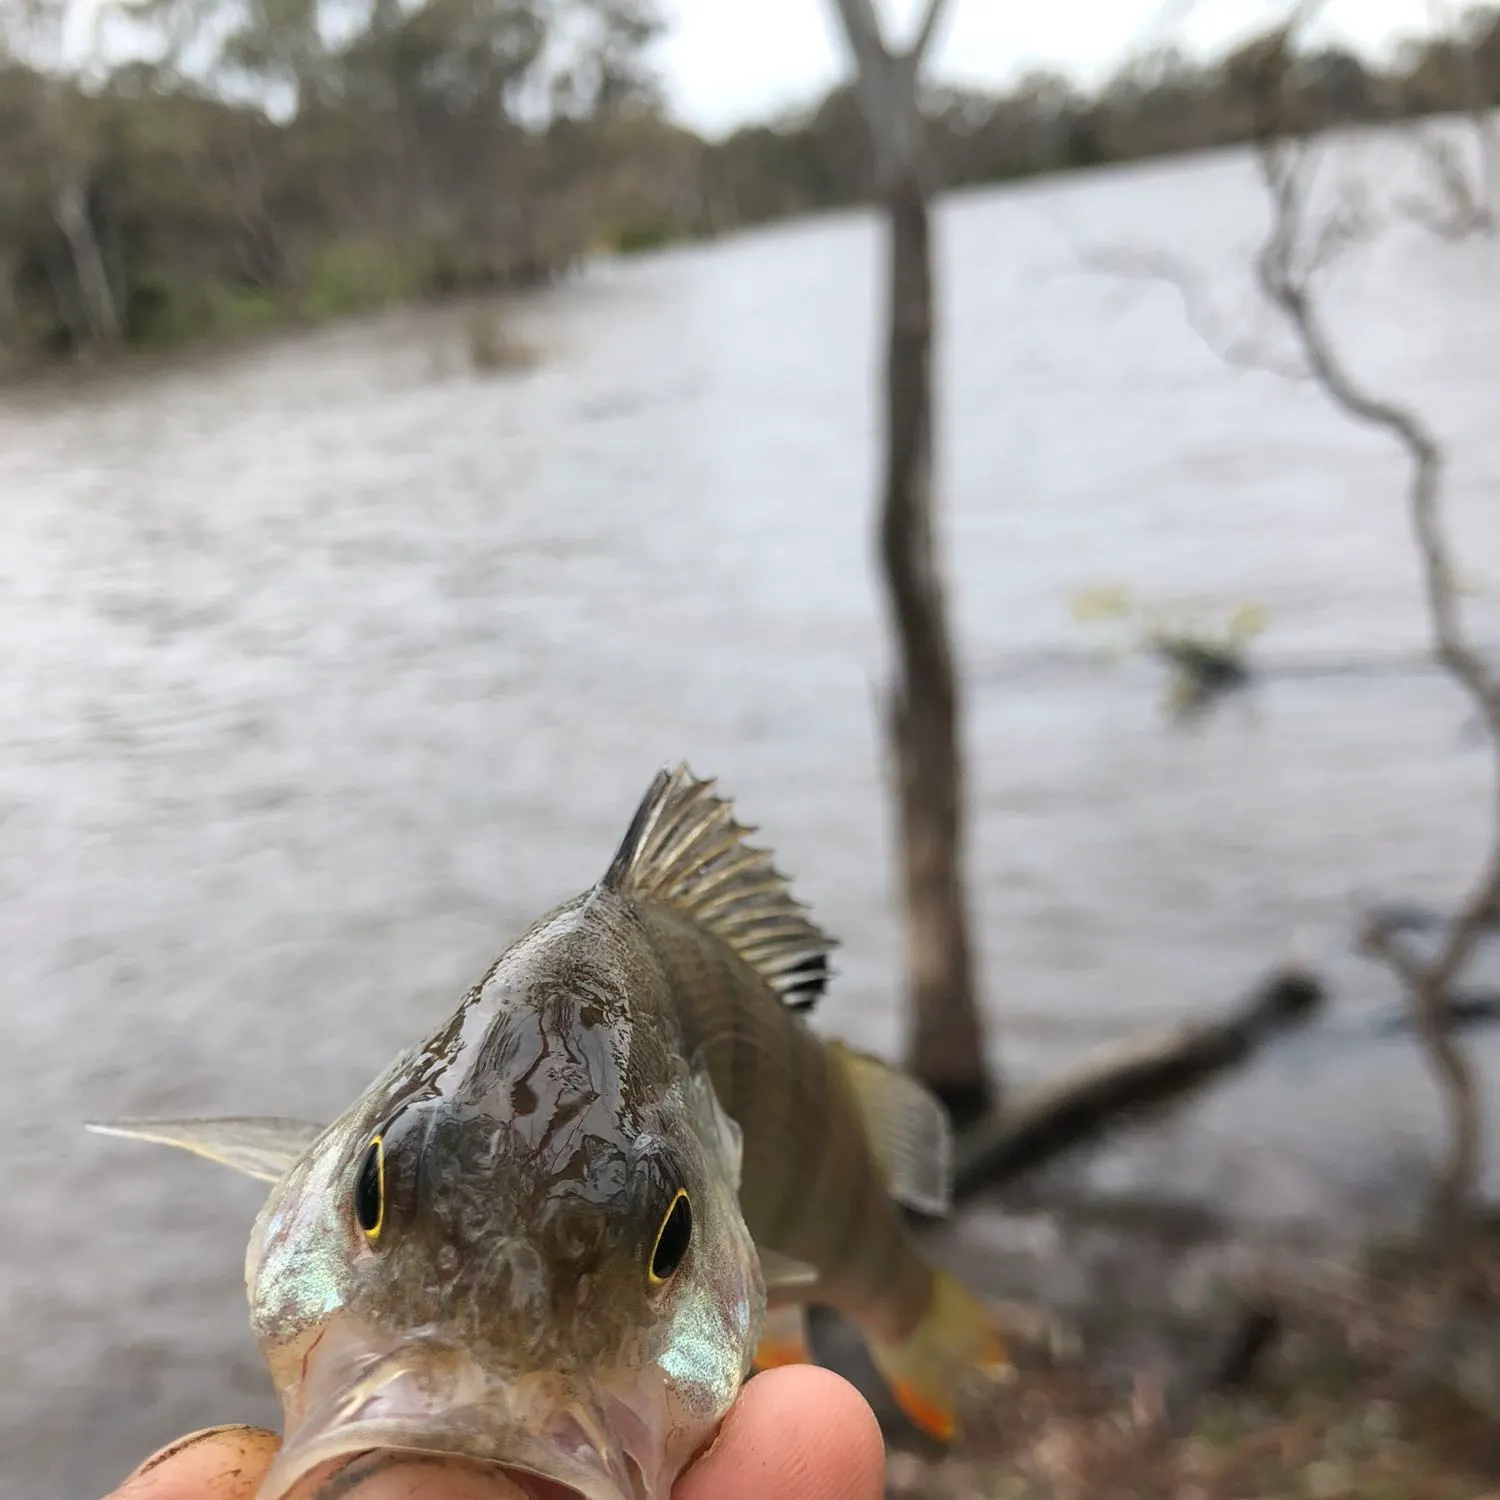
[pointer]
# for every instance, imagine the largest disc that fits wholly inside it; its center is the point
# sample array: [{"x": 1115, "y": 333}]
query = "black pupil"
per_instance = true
[
  {"x": 367, "y": 1190},
  {"x": 672, "y": 1245}
]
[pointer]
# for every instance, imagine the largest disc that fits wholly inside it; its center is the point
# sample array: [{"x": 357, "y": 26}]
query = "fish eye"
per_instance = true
[
  {"x": 369, "y": 1190},
  {"x": 672, "y": 1240}
]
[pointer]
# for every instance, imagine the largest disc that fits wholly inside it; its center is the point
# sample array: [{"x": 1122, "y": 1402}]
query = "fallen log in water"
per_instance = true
[
  {"x": 1465, "y": 1008},
  {"x": 1108, "y": 1092}
]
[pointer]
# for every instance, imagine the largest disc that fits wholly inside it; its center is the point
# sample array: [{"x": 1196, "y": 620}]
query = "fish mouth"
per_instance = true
[{"x": 545, "y": 1438}]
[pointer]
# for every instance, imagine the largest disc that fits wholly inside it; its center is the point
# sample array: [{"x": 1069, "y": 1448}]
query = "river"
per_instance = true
[{"x": 330, "y": 663}]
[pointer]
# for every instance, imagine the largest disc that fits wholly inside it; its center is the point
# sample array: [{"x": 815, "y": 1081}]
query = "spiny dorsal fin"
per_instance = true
[{"x": 684, "y": 849}]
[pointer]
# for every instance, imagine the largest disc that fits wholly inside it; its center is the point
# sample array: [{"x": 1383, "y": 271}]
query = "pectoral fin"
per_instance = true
[
  {"x": 261, "y": 1148},
  {"x": 719, "y": 1129},
  {"x": 788, "y": 1282},
  {"x": 907, "y": 1129}
]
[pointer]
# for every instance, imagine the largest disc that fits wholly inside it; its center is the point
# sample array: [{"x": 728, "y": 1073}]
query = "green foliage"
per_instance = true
[
  {"x": 164, "y": 317},
  {"x": 352, "y": 276},
  {"x": 1206, "y": 657},
  {"x": 636, "y": 239},
  {"x": 402, "y": 163},
  {"x": 1182, "y": 619}
]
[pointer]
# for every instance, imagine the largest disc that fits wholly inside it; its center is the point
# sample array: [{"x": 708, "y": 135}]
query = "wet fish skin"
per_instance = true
[{"x": 533, "y": 1147}]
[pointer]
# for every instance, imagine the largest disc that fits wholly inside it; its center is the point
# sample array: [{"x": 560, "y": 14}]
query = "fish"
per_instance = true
[{"x": 559, "y": 1234}]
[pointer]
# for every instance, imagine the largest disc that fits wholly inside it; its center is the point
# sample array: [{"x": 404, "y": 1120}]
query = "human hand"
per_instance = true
[{"x": 796, "y": 1433}]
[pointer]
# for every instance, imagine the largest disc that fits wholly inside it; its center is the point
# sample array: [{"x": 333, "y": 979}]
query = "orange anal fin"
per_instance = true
[
  {"x": 784, "y": 1340},
  {"x": 934, "y": 1419},
  {"x": 957, "y": 1334}
]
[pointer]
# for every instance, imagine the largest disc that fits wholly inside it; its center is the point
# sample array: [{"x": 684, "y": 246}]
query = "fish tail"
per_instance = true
[{"x": 957, "y": 1334}]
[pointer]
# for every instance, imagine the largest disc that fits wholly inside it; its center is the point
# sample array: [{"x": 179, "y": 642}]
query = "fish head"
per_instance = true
[{"x": 568, "y": 1291}]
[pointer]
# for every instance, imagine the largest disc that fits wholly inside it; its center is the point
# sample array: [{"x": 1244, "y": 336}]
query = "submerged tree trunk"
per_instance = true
[
  {"x": 947, "y": 1049},
  {"x": 946, "y": 1045}
]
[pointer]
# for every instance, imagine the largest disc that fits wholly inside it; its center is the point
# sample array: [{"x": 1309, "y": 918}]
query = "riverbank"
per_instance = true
[
  {"x": 226, "y": 321},
  {"x": 1371, "y": 1379}
]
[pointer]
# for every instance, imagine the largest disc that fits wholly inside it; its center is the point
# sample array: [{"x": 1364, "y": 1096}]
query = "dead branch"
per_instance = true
[
  {"x": 925, "y": 32},
  {"x": 1242, "y": 352},
  {"x": 1465, "y": 207},
  {"x": 1136, "y": 1079},
  {"x": 1459, "y": 210},
  {"x": 1285, "y": 278}
]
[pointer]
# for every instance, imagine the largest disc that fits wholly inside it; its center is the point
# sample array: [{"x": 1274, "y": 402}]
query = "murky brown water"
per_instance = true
[{"x": 328, "y": 666}]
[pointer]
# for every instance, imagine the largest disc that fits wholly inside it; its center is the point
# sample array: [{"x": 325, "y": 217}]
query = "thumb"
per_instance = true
[{"x": 796, "y": 1433}]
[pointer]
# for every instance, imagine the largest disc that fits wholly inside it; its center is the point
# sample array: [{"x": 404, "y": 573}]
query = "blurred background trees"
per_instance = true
[
  {"x": 251, "y": 161},
  {"x": 183, "y": 168}
]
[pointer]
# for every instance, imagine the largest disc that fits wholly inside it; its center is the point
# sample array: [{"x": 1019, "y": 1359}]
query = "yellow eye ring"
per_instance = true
[
  {"x": 672, "y": 1241},
  {"x": 369, "y": 1190}
]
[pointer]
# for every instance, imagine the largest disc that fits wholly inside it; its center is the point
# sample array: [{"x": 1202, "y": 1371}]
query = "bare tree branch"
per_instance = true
[
  {"x": 1460, "y": 209},
  {"x": 930, "y": 23},
  {"x": 1241, "y": 352},
  {"x": 1471, "y": 206},
  {"x": 886, "y": 81},
  {"x": 886, "y": 85},
  {"x": 862, "y": 28},
  {"x": 1285, "y": 282}
]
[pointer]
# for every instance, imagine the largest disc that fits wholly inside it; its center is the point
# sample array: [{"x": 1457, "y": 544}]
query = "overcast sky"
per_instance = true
[{"x": 729, "y": 61}]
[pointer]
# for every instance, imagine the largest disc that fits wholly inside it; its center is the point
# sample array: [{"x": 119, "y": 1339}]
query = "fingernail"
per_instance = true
[{"x": 182, "y": 1444}]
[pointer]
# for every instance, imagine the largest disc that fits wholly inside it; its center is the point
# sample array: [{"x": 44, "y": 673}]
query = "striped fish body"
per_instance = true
[
  {"x": 833, "y": 1140},
  {"x": 811, "y": 1188}
]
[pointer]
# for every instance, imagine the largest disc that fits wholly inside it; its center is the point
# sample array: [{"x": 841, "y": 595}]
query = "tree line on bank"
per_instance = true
[{"x": 279, "y": 160}]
